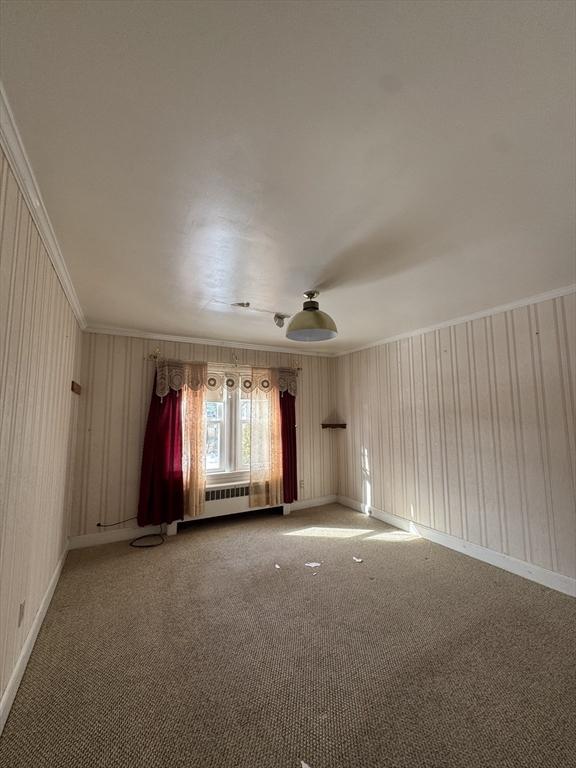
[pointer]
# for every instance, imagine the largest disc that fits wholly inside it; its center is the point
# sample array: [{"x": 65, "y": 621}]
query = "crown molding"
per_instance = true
[
  {"x": 113, "y": 331},
  {"x": 553, "y": 294},
  {"x": 13, "y": 147}
]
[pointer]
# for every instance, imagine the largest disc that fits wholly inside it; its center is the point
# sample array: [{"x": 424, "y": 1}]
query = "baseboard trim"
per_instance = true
[
  {"x": 109, "y": 537},
  {"x": 16, "y": 678},
  {"x": 220, "y": 513},
  {"x": 352, "y": 504},
  {"x": 320, "y": 501},
  {"x": 122, "y": 534},
  {"x": 551, "y": 579}
]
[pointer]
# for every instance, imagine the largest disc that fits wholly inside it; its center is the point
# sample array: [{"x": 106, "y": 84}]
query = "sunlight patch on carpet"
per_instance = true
[
  {"x": 330, "y": 533},
  {"x": 394, "y": 536}
]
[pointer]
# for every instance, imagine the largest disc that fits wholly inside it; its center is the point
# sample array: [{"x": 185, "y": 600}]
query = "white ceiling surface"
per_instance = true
[{"x": 415, "y": 160}]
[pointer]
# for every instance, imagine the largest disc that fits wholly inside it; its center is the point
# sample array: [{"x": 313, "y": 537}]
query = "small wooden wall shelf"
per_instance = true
[{"x": 333, "y": 426}]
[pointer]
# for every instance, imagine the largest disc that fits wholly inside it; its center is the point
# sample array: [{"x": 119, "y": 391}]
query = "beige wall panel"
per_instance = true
[
  {"x": 437, "y": 454},
  {"x": 375, "y": 445},
  {"x": 419, "y": 431},
  {"x": 507, "y": 438},
  {"x": 39, "y": 351},
  {"x": 489, "y": 462},
  {"x": 537, "y": 529},
  {"x": 471, "y": 430},
  {"x": 557, "y": 433},
  {"x": 454, "y": 436},
  {"x": 380, "y": 418},
  {"x": 470, "y": 499},
  {"x": 397, "y": 446}
]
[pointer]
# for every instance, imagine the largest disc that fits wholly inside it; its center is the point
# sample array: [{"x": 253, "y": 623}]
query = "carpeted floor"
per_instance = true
[{"x": 202, "y": 654}]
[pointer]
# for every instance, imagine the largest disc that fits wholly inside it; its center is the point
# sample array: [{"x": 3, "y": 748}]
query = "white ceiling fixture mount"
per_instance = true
[
  {"x": 279, "y": 317},
  {"x": 311, "y": 324}
]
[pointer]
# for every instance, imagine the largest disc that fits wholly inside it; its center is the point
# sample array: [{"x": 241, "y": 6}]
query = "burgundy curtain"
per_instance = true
[
  {"x": 288, "y": 422},
  {"x": 161, "y": 480}
]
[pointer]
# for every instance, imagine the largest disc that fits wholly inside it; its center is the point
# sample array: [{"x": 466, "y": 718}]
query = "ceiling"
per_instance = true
[{"x": 413, "y": 160}]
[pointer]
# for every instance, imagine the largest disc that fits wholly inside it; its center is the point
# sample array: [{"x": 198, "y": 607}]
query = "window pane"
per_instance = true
[
  {"x": 213, "y": 442},
  {"x": 245, "y": 410},
  {"x": 214, "y": 411},
  {"x": 245, "y": 445}
]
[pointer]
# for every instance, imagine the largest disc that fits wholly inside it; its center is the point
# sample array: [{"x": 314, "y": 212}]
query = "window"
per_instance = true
[
  {"x": 227, "y": 436},
  {"x": 215, "y": 459}
]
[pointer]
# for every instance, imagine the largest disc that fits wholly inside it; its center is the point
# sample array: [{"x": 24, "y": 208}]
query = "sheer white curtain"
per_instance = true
[
  {"x": 265, "y": 439},
  {"x": 194, "y": 438}
]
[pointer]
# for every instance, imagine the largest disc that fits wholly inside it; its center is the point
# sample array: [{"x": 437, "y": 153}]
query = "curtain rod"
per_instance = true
[{"x": 155, "y": 356}]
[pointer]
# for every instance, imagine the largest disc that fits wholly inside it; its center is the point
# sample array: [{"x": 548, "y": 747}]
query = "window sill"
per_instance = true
[{"x": 223, "y": 479}]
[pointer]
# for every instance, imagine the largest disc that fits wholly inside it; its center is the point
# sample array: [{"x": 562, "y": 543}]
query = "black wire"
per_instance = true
[
  {"x": 109, "y": 525},
  {"x": 138, "y": 538},
  {"x": 148, "y": 536}
]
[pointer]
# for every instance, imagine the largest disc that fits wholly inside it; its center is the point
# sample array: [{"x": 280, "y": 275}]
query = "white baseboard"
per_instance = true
[
  {"x": 307, "y": 503},
  {"x": 122, "y": 534},
  {"x": 353, "y": 504},
  {"x": 20, "y": 667},
  {"x": 239, "y": 505},
  {"x": 536, "y": 573},
  {"x": 108, "y": 537},
  {"x": 221, "y": 511}
]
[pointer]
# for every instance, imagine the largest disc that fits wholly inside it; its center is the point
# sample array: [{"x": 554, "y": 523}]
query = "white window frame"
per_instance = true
[
  {"x": 232, "y": 444},
  {"x": 223, "y": 435}
]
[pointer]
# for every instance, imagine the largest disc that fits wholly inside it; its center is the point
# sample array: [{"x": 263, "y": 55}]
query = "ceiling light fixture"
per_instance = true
[{"x": 311, "y": 324}]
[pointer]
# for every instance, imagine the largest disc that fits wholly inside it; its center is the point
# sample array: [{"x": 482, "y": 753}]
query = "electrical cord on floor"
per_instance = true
[
  {"x": 161, "y": 535},
  {"x": 109, "y": 525}
]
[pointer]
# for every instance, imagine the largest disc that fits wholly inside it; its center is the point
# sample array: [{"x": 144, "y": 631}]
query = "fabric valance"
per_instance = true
[{"x": 176, "y": 374}]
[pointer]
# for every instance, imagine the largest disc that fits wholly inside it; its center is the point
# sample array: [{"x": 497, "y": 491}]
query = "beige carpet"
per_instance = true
[{"x": 201, "y": 654}]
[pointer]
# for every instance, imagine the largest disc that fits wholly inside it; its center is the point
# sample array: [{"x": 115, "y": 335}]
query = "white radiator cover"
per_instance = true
[
  {"x": 225, "y": 507},
  {"x": 234, "y": 499}
]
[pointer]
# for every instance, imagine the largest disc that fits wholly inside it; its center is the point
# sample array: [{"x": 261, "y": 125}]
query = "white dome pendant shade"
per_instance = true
[{"x": 311, "y": 324}]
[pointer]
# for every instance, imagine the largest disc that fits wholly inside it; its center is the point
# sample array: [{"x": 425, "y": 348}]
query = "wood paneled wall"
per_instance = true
[
  {"x": 117, "y": 384},
  {"x": 470, "y": 430},
  {"x": 40, "y": 344}
]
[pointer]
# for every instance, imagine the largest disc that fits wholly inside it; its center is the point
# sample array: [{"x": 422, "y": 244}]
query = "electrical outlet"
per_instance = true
[
  {"x": 21, "y": 612},
  {"x": 301, "y": 483}
]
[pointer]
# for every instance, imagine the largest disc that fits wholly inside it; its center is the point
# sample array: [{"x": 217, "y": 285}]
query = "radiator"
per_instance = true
[
  {"x": 224, "y": 500},
  {"x": 229, "y": 492}
]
